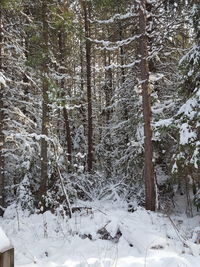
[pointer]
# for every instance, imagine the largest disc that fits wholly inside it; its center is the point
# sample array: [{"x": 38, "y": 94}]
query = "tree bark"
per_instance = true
[
  {"x": 2, "y": 138},
  {"x": 108, "y": 85},
  {"x": 82, "y": 63},
  {"x": 86, "y": 9},
  {"x": 68, "y": 135},
  {"x": 149, "y": 168},
  {"x": 123, "y": 77},
  {"x": 45, "y": 113},
  {"x": 122, "y": 53},
  {"x": 108, "y": 111},
  {"x": 65, "y": 111}
]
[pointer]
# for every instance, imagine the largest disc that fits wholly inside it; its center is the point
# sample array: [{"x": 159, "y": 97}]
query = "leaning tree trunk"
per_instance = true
[
  {"x": 146, "y": 98},
  {"x": 86, "y": 9},
  {"x": 1, "y": 119},
  {"x": 45, "y": 113}
]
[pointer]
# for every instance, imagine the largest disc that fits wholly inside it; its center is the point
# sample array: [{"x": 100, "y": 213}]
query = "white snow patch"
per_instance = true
[
  {"x": 2, "y": 79},
  {"x": 186, "y": 134},
  {"x": 188, "y": 109},
  {"x": 148, "y": 239},
  {"x": 4, "y": 241},
  {"x": 163, "y": 123}
]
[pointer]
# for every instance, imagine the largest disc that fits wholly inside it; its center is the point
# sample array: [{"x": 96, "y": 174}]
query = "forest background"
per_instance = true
[{"x": 74, "y": 77}]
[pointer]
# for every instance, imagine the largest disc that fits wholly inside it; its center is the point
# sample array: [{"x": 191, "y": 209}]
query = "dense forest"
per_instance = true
[
  {"x": 100, "y": 133},
  {"x": 99, "y": 99}
]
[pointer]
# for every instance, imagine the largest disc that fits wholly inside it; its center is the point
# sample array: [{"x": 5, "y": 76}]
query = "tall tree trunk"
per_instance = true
[
  {"x": 122, "y": 62},
  {"x": 108, "y": 101},
  {"x": 65, "y": 111},
  {"x": 122, "y": 52},
  {"x": 86, "y": 9},
  {"x": 82, "y": 63},
  {"x": 149, "y": 168},
  {"x": 45, "y": 112},
  {"x": 108, "y": 84},
  {"x": 68, "y": 135},
  {"x": 2, "y": 138}
]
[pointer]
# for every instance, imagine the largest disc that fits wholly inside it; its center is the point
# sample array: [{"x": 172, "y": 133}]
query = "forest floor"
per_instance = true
[{"x": 139, "y": 239}]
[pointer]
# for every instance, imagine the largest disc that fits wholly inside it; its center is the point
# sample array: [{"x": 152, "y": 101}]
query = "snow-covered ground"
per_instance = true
[
  {"x": 4, "y": 241},
  {"x": 139, "y": 239}
]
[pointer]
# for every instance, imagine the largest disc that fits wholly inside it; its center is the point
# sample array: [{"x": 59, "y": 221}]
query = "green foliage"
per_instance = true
[
  {"x": 12, "y": 4},
  {"x": 55, "y": 93},
  {"x": 62, "y": 18},
  {"x": 190, "y": 63},
  {"x": 110, "y": 6},
  {"x": 187, "y": 156},
  {"x": 107, "y": 3},
  {"x": 189, "y": 67}
]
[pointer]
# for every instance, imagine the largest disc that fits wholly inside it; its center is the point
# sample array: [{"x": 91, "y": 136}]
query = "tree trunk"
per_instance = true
[
  {"x": 123, "y": 78},
  {"x": 149, "y": 168},
  {"x": 2, "y": 138},
  {"x": 86, "y": 9},
  {"x": 65, "y": 111},
  {"x": 82, "y": 63},
  {"x": 68, "y": 135},
  {"x": 108, "y": 101},
  {"x": 45, "y": 112},
  {"x": 122, "y": 53}
]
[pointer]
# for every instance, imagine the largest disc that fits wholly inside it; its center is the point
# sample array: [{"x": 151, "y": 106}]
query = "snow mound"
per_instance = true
[{"x": 4, "y": 241}]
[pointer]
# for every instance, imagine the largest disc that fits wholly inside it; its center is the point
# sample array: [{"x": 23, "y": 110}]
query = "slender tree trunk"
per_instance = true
[
  {"x": 82, "y": 63},
  {"x": 108, "y": 85},
  {"x": 68, "y": 136},
  {"x": 2, "y": 138},
  {"x": 123, "y": 78},
  {"x": 122, "y": 53},
  {"x": 45, "y": 112},
  {"x": 86, "y": 9},
  {"x": 149, "y": 168},
  {"x": 108, "y": 113},
  {"x": 65, "y": 111}
]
